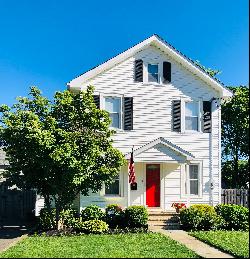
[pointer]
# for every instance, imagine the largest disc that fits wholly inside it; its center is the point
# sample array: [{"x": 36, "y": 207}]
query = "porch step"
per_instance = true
[
  {"x": 160, "y": 212},
  {"x": 166, "y": 219},
  {"x": 163, "y": 225}
]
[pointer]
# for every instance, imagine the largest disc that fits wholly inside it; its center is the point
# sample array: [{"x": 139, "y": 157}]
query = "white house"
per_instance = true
[{"x": 168, "y": 108}]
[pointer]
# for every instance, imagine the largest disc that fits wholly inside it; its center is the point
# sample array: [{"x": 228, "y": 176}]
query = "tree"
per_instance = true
[
  {"x": 235, "y": 136},
  {"x": 60, "y": 147},
  {"x": 210, "y": 71},
  {"x": 228, "y": 174}
]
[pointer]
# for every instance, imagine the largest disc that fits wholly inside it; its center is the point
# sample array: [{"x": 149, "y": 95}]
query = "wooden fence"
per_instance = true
[{"x": 235, "y": 196}]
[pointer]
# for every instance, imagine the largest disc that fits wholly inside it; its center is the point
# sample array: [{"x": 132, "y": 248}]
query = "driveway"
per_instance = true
[{"x": 10, "y": 235}]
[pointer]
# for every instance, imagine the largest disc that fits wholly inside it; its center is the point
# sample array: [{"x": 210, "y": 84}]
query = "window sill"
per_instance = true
[
  {"x": 155, "y": 84},
  {"x": 116, "y": 129},
  {"x": 112, "y": 196},
  {"x": 192, "y": 132},
  {"x": 120, "y": 130},
  {"x": 191, "y": 197}
]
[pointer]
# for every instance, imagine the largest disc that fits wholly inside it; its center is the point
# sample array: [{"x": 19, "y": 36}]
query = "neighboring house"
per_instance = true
[
  {"x": 168, "y": 108},
  {"x": 3, "y": 164}
]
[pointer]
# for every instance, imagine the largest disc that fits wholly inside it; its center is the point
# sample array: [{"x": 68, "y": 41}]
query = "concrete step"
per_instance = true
[
  {"x": 155, "y": 213},
  {"x": 168, "y": 226},
  {"x": 164, "y": 217},
  {"x": 155, "y": 222}
]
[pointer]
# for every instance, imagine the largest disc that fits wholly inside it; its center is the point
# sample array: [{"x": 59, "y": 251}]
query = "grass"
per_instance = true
[
  {"x": 233, "y": 242},
  {"x": 141, "y": 245}
]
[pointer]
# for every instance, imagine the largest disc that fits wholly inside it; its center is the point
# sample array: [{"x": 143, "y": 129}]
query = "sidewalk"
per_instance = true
[{"x": 192, "y": 243}]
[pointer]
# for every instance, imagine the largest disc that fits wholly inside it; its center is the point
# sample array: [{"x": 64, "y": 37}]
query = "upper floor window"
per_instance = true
[
  {"x": 191, "y": 116},
  {"x": 113, "y": 106},
  {"x": 153, "y": 73}
]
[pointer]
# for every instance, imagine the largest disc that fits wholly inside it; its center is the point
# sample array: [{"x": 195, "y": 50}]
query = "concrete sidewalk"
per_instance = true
[
  {"x": 199, "y": 247},
  {"x": 10, "y": 235}
]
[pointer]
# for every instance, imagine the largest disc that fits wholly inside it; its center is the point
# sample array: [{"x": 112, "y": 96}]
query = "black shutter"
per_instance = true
[
  {"x": 97, "y": 101},
  {"x": 139, "y": 70},
  {"x": 167, "y": 71},
  {"x": 128, "y": 113},
  {"x": 177, "y": 115},
  {"x": 207, "y": 117}
]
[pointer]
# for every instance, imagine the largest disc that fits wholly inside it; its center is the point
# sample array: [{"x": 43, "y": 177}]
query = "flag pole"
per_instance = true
[{"x": 128, "y": 202}]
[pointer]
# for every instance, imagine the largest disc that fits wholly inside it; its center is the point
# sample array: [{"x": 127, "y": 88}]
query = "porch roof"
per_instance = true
[{"x": 159, "y": 150}]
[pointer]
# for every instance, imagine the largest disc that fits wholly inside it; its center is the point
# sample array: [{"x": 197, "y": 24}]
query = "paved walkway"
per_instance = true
[
  {"x": 10, "y": 235},
  {"x": 192, "y": 243}
]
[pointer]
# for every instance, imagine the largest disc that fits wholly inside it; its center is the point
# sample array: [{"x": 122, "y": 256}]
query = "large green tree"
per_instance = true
[
  {"x": 235, "y": 137},
  {"x": 59, "y": 147}
]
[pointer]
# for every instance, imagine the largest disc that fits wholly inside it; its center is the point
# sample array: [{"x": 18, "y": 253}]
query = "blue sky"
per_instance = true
[{"x": 49, "y": 42}]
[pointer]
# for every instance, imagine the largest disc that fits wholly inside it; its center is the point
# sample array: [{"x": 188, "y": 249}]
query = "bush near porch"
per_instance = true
[
  {"x": 206, "y": 217},
  {"x": 93, "y": 219}
]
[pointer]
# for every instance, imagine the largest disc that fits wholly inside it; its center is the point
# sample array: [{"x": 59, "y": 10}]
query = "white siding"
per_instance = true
[
  {"x": 153, "y": 118},
  {"x": 159, "y": 153}
]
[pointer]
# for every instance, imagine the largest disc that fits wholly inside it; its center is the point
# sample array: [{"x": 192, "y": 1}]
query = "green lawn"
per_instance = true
[
  {"x": 233, "y": 242},
  {"x": 91, "y": 246}
]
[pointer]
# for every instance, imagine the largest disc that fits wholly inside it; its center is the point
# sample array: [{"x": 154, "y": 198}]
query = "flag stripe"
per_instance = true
[{"x": 131, "y": 169}]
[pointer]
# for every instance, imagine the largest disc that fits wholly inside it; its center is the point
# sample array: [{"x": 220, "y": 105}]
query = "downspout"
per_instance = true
[
  {"x": 211, "y": 186},
  {"x": 219, "y": 150}
]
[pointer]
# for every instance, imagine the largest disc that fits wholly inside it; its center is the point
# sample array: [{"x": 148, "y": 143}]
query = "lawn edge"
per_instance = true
[{"x": 216, "y": 246}]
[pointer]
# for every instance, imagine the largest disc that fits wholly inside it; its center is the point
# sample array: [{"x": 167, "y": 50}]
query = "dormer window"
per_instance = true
[{"x": 153, "y": 73}]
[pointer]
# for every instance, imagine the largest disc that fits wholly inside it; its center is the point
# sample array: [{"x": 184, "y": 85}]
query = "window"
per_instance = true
[
  {"x": 153, "y": 75},
  {"x": 113, "y": 188},
  {"x": 113, "y": 106},
  {"x": 191, "y": 115},
  {"x": 193, "y": 180}
]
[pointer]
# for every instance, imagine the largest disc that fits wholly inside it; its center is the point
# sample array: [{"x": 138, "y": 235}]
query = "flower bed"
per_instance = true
[{"x": 93, "y": 220}]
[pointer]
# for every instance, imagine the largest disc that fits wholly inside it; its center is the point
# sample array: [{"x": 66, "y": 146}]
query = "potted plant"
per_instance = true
[{"x": 178, "y": 206}]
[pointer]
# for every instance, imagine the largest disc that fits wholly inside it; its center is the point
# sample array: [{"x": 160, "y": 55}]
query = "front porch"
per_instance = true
[{"x": 160, "y": 177}]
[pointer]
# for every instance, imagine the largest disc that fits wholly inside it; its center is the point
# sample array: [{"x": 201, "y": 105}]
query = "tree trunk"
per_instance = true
[
  {"x": 58, "y": 207},
  {"x": 48, "y": 207},
  {"x": 236, "y": 170}
]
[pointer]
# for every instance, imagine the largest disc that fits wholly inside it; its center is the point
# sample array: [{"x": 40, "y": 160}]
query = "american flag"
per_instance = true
[{"x": 131, "y": 169}]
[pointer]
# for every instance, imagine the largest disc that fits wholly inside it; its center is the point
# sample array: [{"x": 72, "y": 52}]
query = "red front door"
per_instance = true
[{"x": 153, "y": 185}]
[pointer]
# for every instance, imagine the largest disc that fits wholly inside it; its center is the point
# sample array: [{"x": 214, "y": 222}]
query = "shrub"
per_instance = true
[
  {"x": 114, "y": 216},
  {"x": 47, "y": 220},
  {"x": 199, "y": 217},
  {"x": 91, "y": 226},
  {"x": 69, "y": 217},
  {"x": 235, "y": 217},
  {"x": 92, "y": 212},
  {"x": 136, "y": 216}
]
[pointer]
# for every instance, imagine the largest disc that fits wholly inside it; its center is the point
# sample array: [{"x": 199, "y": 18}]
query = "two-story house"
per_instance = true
[{"x": 168, "y": 108}]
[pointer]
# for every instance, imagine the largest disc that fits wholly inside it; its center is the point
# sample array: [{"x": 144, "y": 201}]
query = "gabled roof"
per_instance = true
[
  {"x": 164, "y": 142},
  {"x": 156, "y": 41}
]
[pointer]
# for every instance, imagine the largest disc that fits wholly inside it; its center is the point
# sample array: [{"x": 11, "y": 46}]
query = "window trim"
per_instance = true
[
  {"x": 102, "y": 106},
  {"x": 158, "y": 74},
  {"x": 119, "y": 188},
  {"x": 183, "y": 115},
  {"x": 186, "y": 191}
]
